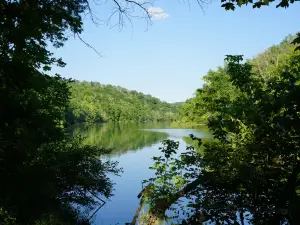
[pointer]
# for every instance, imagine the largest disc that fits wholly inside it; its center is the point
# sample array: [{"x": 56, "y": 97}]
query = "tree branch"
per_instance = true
[{"x": 88, "y": 45}]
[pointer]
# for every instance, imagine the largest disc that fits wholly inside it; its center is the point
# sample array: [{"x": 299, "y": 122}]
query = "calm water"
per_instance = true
[{"x": 134, "y": 146}]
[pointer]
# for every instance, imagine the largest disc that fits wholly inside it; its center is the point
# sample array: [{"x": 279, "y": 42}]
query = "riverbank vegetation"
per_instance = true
[{"x": 250, "y": 174}]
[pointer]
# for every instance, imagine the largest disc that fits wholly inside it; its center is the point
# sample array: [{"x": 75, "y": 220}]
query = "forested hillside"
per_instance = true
[
  {"x": 218, "y": 93},
  {"x": 95, "y": 102},
  {"x": 50, "y": 178}
]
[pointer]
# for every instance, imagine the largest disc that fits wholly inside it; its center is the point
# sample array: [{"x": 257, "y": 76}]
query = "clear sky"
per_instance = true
[{"x": 168, "y": 59}]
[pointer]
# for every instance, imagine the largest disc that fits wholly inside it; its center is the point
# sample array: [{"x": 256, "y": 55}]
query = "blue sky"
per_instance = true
[{"x": 168, "y": 59}]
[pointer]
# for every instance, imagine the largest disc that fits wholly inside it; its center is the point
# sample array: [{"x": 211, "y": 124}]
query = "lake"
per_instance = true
[{"x": 133, "y": 146}]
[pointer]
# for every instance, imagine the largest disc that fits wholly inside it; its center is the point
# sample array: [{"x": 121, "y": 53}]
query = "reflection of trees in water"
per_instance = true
[
  {"x": 195, "y": 143},
  {"x": 119, "y": 137}
]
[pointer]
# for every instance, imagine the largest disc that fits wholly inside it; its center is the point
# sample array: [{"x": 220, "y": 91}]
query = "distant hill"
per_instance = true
[{"x": 95, "y": 102}]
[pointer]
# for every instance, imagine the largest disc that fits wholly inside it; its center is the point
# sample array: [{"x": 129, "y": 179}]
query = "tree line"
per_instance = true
[
  {"x": 95, "y": 102},
  {"x": 250, "y": 173}
]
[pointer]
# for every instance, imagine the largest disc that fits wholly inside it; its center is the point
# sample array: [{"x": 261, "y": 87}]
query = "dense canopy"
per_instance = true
[
  {"x": 94, "y": 102},
  {"x": 250, "y": 173}
]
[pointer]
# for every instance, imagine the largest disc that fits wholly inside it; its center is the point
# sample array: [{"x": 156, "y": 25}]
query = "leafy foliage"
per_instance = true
[
  {"x": 266, "y": 63},
  {"x": 251, "y": 172},
  {"x": 172, "y": 172},
  {"x": 94, "y": 102},
  {"x": 199, "y": 147},
  {"x": 231, "y": 5},
  {"x": 43, "y": 171},
  {"x": 5, "y": 218},
  {"x": 218, "y": 93}
]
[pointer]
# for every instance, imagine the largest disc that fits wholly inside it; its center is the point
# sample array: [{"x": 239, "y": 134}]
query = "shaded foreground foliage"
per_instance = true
[
  {"x": 44, "y": 173},
  {"x": 251, "y": 172}
]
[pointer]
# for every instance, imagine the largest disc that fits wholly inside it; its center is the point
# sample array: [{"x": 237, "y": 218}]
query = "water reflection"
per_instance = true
[
  {"x": 119, "y": 137},
  {"x": 134, "y": 146}
]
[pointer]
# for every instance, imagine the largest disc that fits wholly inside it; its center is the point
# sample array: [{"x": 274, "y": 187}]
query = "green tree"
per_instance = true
[
  {"x": 218, "y": 93},
  {"x": 43, "y": 171},
  {"x": 94, "y": 102},
  {"x": 266, "y": 63},
  {"x": 251, "y": 173}
]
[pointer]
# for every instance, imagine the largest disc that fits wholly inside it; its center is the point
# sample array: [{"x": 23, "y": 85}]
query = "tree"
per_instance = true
[
  {"x": 93, "y": 102},
  {"x": 43, "y": 170},
  {"x": 266, "y": 63},
  {"x": 250, "y": 173},
  {"x": 218, "y": 93}
]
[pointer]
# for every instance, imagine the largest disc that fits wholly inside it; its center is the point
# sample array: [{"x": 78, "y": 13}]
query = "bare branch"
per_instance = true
[
  {"x": 124, "y": 11},
  {"x": 88, "y": 45},
  {"x": 200, "y": 3}
]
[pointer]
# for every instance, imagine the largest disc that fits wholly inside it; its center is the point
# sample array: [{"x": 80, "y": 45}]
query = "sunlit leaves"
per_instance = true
[
  {"x": 95, "y": 102},
  {"x": 174, "y": 176},
  {"x": 296, "y": 41},
  {"x": 253, "y": 165}
]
